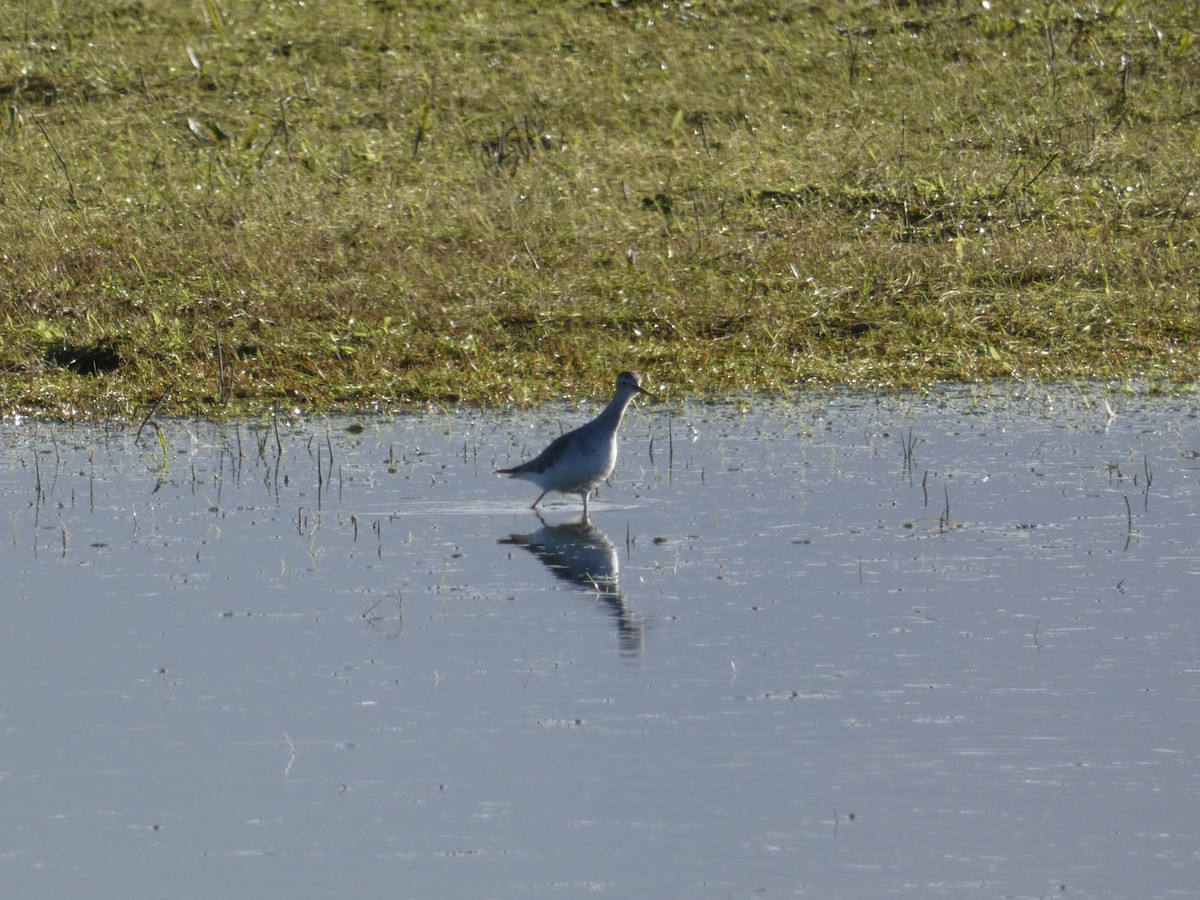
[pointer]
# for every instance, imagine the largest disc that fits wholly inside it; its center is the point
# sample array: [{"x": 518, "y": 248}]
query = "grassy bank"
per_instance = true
[{"x": 228, "y": 204}]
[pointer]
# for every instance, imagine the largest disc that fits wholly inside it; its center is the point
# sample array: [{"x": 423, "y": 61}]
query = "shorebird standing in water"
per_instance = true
[{"x": 578, "y": 461}]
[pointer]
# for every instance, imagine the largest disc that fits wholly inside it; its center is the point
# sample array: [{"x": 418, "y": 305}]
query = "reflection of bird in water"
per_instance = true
[
  {"x": 578, "y": 461},
  {"x": 582, "y": 555}
]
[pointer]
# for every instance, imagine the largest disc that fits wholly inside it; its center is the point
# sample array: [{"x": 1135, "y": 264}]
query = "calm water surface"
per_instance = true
[{"x": 843, "y": 647}]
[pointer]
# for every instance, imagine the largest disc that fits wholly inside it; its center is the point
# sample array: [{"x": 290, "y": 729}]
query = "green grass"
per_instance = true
[{"x": 226, "y": 205}]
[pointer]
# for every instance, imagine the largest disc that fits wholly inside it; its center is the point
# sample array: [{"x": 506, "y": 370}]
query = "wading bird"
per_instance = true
[{"x": 578, "y": 461}]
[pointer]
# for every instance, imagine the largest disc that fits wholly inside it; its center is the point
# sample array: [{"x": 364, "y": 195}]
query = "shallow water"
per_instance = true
[{"x": 843, "y": 647}]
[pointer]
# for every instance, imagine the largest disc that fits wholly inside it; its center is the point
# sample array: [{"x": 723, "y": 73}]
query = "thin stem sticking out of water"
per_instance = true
[
  {"x": 372, "y": 619},
  {"x": 292, "y": 758},
  {"x": 162, "y": 443},
  {"x": 165, "y": 467},
  {"x": 908, "y": 445},
  {"x": 308, "y": 521},
  {"x": 147, "y": 418},
  {"x": 1149, "y": 482},
  {"x": 39, "y": 495},
  {"x": 275, "y": 423},
  {"x": 320, "y": 478},
  {"x": 1128, "y": 522}
]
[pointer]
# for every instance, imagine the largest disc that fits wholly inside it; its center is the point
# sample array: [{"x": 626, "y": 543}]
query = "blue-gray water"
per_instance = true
[{"x": 937, "y": 645}]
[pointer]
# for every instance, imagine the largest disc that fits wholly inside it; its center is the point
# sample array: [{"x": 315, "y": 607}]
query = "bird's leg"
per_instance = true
[
  {"x": 585, "y": 508},
  {"x": 539, "y": 499}
]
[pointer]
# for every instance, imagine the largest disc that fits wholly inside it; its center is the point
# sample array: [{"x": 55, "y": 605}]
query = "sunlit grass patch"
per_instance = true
[{"x": 233, "y": 205}]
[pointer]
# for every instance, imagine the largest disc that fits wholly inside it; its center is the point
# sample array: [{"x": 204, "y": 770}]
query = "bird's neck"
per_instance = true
[{"x": 615, "y": 411}]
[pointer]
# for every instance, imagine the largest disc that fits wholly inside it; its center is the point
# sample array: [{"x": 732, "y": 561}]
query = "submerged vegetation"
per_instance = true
[{"x": 221, "y": 205}]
